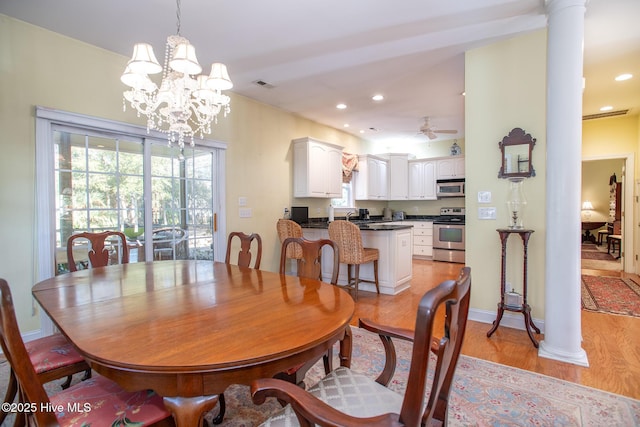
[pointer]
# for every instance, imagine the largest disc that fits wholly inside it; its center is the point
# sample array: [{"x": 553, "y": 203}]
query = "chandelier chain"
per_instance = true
[{"x": 178, "y": 17}]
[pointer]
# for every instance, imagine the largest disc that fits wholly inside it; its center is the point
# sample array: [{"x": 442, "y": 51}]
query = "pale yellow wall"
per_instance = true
[
  {"x": 610, "y": 136},
  {"x": 505, "y": 88},
  {"x": 42, "y": 68}
]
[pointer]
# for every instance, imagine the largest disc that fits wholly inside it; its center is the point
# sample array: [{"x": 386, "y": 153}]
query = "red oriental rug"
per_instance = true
[
  {"x": 611, "y": 295},
  {"x": 602, "y": 256}
]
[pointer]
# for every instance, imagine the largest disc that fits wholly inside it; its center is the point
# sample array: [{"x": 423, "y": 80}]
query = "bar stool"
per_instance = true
[
  {"x": 349, "y": 239},
  {"x": 288, "y": 228}
]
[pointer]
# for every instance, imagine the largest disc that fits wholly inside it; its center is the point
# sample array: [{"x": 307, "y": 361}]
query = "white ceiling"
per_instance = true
[{"x": 318, "y": 54}]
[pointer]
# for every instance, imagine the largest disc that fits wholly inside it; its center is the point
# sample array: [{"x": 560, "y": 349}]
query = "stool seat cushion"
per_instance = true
[{"x": 370, "y": 254}]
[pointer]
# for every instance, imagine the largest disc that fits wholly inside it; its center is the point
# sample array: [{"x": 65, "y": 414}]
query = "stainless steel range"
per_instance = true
[{"x": 448, "y": 235}]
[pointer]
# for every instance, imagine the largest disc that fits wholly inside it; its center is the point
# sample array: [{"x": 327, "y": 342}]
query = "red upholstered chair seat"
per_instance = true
[
  {"x": 101, "y": 402},
  {"x": 51, "y": 352}
]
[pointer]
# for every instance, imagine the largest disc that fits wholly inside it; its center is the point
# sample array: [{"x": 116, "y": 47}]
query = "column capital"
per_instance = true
[{"x": 553, "y": 6}]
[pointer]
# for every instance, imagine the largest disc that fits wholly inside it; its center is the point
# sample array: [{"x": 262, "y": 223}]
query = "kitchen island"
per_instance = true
[{"x": 393, "y": 240}]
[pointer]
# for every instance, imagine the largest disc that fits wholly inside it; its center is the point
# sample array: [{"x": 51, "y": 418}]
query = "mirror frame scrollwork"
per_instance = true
[{"x": 515, "y": 151}]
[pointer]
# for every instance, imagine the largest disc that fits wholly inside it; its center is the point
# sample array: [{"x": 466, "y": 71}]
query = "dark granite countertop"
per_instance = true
[
  {"x": 375, "y": 223},
  {"x": 371, "y": 225}
]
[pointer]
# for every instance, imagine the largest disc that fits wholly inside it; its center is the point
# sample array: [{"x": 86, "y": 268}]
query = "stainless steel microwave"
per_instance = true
[{"x": 450, "y": 188}]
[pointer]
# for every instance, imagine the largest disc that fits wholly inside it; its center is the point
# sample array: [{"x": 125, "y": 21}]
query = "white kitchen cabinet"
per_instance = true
[
  {"x": 450, "y": 168},
  {"x": 372, "y": 178},
  {"x": 422, "y": 239},
  {"x": 398, "y": 177},
  {"x": 317, "y": 169},
  {"x": 422, "y": 179}
]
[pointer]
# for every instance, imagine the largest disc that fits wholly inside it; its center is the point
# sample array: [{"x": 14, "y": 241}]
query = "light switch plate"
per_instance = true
[
  {"x": 486, "y": 213},
  {"x": 245, "y": 212},
  {"x": 242, "y": 201},
  {"x": 484, "y": 196}
]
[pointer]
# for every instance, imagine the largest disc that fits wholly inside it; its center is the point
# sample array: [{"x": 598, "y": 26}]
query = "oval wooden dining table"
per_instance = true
[{"x": 189, "y": 329}]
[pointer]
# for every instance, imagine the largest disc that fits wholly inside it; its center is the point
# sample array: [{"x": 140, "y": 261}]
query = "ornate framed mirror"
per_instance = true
[{"x": 515, "y": 151}]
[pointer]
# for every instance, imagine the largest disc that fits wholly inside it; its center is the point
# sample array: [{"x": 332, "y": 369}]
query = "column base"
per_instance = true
[{"x": 579, "y": 358}]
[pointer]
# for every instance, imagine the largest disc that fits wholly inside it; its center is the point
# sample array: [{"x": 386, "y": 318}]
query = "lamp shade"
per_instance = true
[
  {"x": 219, "y": 78},
  {"x": 144, "y": 60},
  {"x": 587, "y": 206},
  {"x": 184, "y": 59}
]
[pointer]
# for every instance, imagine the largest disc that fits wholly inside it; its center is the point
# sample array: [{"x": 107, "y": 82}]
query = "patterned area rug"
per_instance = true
[
  {"x": 611, "y": 295},
  {"x": 596, "y": 258},
  {"x": 602, "y": 256},
  {"x": 484, "y": 394}
]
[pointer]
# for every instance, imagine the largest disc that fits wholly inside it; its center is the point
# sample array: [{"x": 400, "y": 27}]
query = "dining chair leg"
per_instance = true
[
  {"x": 218, "y": 418},
  {"x": 328, "y": 361}
]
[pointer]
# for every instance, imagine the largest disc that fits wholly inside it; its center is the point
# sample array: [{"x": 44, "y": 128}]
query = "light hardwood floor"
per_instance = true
[{"x": 612, "y": 342}]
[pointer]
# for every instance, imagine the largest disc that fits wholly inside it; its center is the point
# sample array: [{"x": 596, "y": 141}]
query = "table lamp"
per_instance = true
[{"x": 587, "y": 207}]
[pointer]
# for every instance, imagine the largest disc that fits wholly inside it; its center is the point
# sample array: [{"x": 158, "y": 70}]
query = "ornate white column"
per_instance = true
[{"x": 563, "y": 326}]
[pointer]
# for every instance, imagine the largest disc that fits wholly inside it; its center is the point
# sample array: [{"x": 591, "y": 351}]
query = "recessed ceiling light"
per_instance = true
[
  {"x": 341, "y": 106},
  {"x": 623, "y": 77},
  {"x": 464, "y": 94},
  {"x": 377, "y": 97},
  {"x": 606, "y": 108},
  {"x": 346, "y": 125},
  {"x": 361, "y": 130}
]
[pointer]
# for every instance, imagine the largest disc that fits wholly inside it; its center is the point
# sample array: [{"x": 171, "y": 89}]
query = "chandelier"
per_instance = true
[{"x": 186, "y": 102}]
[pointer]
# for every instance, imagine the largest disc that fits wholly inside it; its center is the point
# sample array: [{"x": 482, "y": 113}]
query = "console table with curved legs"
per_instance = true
[{"x": 523, "y": 308}]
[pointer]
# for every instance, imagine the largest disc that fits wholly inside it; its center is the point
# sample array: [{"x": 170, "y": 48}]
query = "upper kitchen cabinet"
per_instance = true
[
  {"x": 317, "y": 169},
  {"x": 450, "y": 168},
  {"x": 422, "y": 179},
  {"x": 372, "y": 178},
  {"x": 398, "y": 176}
]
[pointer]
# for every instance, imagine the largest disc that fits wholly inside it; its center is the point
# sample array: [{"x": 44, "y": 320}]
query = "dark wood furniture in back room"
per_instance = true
[
  {"x": 588, "y": 227},
  {"x": 519, "y": 306}
]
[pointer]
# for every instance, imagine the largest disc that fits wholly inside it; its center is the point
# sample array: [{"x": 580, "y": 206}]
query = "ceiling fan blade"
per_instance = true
[
  {"x": 446, "y": 131},
  {"x": 431, "y": 135}
]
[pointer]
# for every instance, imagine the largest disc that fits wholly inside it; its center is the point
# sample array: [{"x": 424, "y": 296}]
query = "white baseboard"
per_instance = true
[{"x": 509, "y": 319}]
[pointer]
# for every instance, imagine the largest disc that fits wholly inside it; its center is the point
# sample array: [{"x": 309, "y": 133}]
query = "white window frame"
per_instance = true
[{"x": 45, "y": 192}]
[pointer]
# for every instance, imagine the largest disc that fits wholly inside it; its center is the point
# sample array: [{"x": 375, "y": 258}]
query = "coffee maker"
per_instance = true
[{"x": 364, "y": 214}]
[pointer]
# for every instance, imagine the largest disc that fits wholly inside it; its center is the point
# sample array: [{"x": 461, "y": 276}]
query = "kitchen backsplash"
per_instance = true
[{"x": 319, "y": 208}]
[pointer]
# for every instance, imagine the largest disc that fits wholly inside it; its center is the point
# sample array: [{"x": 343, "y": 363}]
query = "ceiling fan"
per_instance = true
[{"x": 431, "y": 132}]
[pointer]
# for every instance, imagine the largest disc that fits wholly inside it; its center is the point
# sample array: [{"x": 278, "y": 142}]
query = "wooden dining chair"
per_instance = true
[
  {"x": 349, "y": 239},
  {"x": 309, "y": 265},
  {"x": 98, "y": 252},
  {"x": 98, "y": 401},
  {"x": 53, "y": 357},
  {"x": 244, "y": 256},
  {"x": 344, "y": 391}
]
